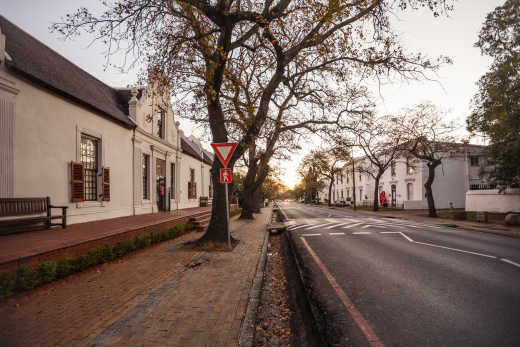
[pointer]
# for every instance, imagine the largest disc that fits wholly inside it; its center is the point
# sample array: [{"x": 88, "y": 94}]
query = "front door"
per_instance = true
[
  {"x": 160, "y": 183},
  {"x": 394, "y": 202}
]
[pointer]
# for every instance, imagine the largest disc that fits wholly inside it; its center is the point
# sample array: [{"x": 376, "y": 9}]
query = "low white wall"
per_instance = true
[
  {"x": 492, "y": 201},
  {"x": 415, "y": 204}
]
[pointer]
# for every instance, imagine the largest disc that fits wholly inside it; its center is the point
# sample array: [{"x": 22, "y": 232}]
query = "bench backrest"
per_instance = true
[{"x": 23, "y": 206}]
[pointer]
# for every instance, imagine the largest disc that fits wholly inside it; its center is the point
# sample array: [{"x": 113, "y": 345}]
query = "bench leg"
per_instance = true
[{"x": 64, "y": 218}]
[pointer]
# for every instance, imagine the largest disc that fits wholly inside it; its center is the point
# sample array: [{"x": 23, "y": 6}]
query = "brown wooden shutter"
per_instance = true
[
  {"x": 77, "y": 182},
  {"x": 106, "y": 184}
]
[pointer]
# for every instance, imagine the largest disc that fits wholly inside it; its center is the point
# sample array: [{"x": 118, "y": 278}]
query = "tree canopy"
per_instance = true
[{"x": 496, "y": 106}]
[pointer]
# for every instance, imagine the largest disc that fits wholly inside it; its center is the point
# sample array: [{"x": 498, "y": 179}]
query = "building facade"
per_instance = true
[
  {"x": 102, "y": 151},
  {"x": 403, "y": 182}
]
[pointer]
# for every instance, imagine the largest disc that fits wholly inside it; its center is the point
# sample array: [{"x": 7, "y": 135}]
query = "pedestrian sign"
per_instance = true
[
  {"x": 225, "y": 175},
  {"x": 224, "y": 151}
]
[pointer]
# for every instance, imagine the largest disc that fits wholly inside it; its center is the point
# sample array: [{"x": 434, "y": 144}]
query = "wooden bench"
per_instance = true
[{"x": 29, "y": 207}]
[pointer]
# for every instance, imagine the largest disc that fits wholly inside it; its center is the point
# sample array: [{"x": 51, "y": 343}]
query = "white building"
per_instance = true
[
  {"x": 103, "y": 152},
  {"x": 403, "y": 182}
]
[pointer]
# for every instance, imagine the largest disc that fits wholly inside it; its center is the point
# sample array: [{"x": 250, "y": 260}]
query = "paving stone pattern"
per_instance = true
[{"x": 148, "y": 298}]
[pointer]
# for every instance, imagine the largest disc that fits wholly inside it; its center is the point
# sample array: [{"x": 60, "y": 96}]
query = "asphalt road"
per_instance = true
[{"x": 400, "y": 283}]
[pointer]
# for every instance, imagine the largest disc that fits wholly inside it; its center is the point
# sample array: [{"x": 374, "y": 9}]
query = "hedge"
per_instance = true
[
  {"x": 234, "y": 212},
  {"x": 25, "y": 278}
]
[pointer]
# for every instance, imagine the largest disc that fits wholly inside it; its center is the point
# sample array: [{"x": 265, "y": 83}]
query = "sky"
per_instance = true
[{"x": 452, "y": 36}]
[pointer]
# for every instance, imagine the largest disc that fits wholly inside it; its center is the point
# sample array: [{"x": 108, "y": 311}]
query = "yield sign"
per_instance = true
[{"x": 224, "y": 151}]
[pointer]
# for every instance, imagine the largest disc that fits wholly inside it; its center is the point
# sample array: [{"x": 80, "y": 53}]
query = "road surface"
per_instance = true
[{"x": 392, "y": 282}]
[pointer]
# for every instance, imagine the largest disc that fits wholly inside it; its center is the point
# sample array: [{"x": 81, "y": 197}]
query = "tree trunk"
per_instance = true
[
  {"x": 376, "y": 195},
  {"x": 258, "y": 198},
  {"x": 432, "y": 212},
  {"x": 248, "y": 194},
  {"x": 330, "y": 191}
]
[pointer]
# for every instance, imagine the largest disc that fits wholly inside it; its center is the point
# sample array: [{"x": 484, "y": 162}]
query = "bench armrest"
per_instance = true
[{"x": 52, "y": 206}]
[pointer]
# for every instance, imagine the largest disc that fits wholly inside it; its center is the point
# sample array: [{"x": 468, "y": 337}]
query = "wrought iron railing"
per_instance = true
[{"x": 482, "y": 186}]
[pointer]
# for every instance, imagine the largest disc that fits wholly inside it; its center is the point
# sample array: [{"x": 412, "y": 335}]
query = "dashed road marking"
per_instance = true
[
  {"x": 317, "y": 226},
  {"x": 351, "y": 226},
  {"x": 311, "y": 234},
  {"x": 366, "y": 226},
  {"x": 300, "y": 226},
  {"x": 362, "y": 232},
  {"x": 336, "y": 225},
  {"x": 336, "y": 233},
  {"x": 389, "y": 232}
]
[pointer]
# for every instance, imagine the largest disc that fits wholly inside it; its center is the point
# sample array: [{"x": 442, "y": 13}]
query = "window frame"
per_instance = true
[
  {"x": 145, "y": 176},
  {"x": 90, "y": 175}
]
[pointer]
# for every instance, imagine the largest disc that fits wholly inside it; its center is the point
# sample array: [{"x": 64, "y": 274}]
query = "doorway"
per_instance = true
[
  {"x": 394, "y": 198},
  {"x": 160, "y": 172}
]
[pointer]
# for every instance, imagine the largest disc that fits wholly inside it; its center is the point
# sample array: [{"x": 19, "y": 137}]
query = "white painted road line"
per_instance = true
[
  {"x": 362, "y": 232},
  {"x": 331, "y": 220},
  {"x": 390, "y": 232},
  {"x": 449, "y": 248},
  {"x": 317, "y": 226},
  {"x": 351, "y": 220},
  {"x": 406, "y": 237},
  {"x": 301, "y": 226},
  {"x": 336, "y": 233},
  {"x": 510, "y": 262},
  {"x": 366, "y": 226},
  {"x": 311, "y": 234},
  {"x": 352, "y": 225},
  {"x": 336, "y": 225},
  {"x": 455, "y": 249},
  {"x": 380, "y": 226}
]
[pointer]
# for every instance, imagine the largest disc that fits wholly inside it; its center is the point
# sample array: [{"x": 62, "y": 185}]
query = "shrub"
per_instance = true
[
  {"x": 62, "y": 268},
  {"x": 80, "y": 263},
  {"x": 26, "y": 278},
  {"x": 7, "y": 284},
  {"x": 122, "y": 248},
  {"x": 107, "y": 253},
  {"x": 46, "y": 272}
]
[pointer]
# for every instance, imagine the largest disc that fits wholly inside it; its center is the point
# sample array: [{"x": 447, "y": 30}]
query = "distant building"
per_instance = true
[
  {"x": 403, "y": 182},
  {"x": 104, "y": 152}
]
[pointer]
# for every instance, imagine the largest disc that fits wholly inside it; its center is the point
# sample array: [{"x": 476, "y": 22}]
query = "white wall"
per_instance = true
[
  {"x": 47, "y": 132},
  {"x": 492, "y": 201}
]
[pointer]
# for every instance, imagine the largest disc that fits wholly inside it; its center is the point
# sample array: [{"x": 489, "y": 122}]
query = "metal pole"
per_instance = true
[
  {"x": 227, "y": 216},
  {"x": 353, "y": 181}
]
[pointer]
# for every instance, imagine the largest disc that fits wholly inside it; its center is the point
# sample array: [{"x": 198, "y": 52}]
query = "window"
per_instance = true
[
  {"x": 160, "y": 124},
  {"x": 347, "y": 179},
  {"x": 341, "y": 194},
  {"x": 410, "y": 168},
  {"x": 360, "y": 193},
  {"x": 392, "y": 168},
  {"x": 409, "y": 191},
  {"x": 172, "y": 181},
  {"x": 474, "y": 160},
  {"x": 348, "y": 192},
  {"x": 146, "y": 176},
  {"x": 341, "y": 178},
  {"x": 89, "y": 159},
  {"x": 192, "y": 186}
]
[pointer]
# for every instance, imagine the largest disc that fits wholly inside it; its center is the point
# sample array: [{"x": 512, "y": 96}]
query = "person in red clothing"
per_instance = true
[{"x": 382, "y": 199}]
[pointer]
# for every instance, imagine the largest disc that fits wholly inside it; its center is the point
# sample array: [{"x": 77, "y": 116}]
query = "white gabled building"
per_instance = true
[
  {"x": 403, "y": 182},
  {"x": 101, "y": 151}
]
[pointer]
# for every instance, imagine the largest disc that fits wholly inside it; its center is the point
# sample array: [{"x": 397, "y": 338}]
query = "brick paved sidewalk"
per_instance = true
[
  {"x": 149, "y": 298},
  {"x": 40, "y": 243}
]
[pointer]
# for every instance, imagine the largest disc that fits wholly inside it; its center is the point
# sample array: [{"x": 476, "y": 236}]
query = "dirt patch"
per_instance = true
[{"x": 273, "y": 326}]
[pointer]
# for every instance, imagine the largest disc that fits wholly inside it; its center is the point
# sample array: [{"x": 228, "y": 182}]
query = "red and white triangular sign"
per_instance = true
[{"x": 224, "y": 151}]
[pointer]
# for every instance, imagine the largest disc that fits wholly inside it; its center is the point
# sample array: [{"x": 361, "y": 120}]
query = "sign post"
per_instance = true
[{"x": 224, "y": 151}]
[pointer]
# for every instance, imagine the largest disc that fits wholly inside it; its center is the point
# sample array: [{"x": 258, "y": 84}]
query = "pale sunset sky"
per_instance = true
[{"x": 453, "y": 36}]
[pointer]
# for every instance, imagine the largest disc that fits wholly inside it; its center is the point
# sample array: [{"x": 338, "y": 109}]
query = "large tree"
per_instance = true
[
  {"x": 382, "y": 140},
  {"x": 429, "y": 137},
  {"x": 496, "y": 106},
  {"x": 192, "y": 42}
]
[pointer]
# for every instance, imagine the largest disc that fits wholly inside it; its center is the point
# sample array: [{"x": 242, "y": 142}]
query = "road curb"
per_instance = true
[
  {"x": 247, "y": 329},
  {"x": 322, "y": 315}
]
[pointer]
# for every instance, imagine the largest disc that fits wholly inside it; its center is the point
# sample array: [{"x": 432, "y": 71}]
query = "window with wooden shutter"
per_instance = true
[
  {"x": 77, "y": 182},
  {"x": 106, "y": 184}
]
